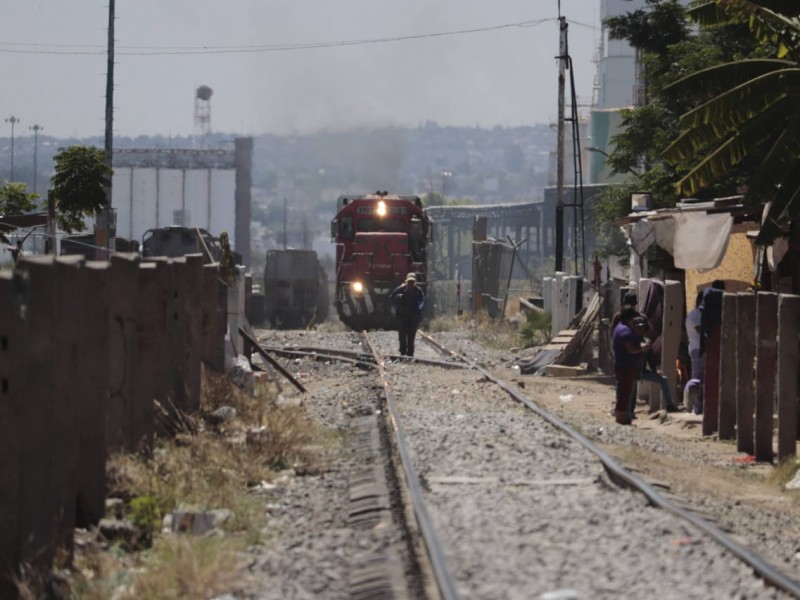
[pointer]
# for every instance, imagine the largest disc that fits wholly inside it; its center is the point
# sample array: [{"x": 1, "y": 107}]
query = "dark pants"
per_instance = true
[
  {"x": 626, "y": 382},
  {"x": 407, "y": 331}
]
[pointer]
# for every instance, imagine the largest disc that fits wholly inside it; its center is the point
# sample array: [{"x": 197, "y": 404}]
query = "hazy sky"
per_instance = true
[{"x": 283, "y": 66}]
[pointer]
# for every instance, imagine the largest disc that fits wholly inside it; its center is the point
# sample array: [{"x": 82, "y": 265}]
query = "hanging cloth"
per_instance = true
[{"x": 701, "y": 240}]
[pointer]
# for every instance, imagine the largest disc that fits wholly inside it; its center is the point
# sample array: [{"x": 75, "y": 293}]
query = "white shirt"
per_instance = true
[{"x": 693, "y": 319}]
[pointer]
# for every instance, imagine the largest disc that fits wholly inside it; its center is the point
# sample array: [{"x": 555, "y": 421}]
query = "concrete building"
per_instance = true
[{"x": 209, "y": 189}]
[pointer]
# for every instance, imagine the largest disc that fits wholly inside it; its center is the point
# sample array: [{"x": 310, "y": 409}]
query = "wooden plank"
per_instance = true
[
  {"x": 727, "y": 369},
  {"x": 745, "y": 355},
  {"x": 270, "y": 360},
  {"x": 788, "y": 360},
  {"x": 766, "y": 370}
]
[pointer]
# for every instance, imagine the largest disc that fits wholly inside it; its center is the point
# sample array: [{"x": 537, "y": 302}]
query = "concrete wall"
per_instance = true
[{"x": 85, "y": 350}]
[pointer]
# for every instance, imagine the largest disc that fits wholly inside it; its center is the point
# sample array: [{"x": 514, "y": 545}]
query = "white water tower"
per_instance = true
[{"x": 202, "y": 116}]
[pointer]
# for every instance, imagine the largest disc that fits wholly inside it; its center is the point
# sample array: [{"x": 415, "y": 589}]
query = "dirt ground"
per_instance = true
[{"x": 704, "y": 473}]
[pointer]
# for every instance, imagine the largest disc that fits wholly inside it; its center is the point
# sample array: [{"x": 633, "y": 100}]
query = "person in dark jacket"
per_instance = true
[
  {"x": 629, "y": 350},
  {"x": 408, "y": 301}
]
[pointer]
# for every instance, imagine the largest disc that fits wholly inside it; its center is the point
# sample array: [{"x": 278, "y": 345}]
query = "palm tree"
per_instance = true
[{"x": 749, "y": 110}]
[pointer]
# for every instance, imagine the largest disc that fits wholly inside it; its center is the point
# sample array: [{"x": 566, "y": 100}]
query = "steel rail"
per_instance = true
[
  {"x": 353, "y": 357},
  {"x": 444, "y": 579},
  {"x": 768, "y": 572}
]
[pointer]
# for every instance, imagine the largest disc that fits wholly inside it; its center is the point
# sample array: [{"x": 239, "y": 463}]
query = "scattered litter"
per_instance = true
[
  {"x": 565, "y": 594},
  {"x": 566, "y": 398},
  {"x": 744, "y": 460},
  {"x": 459, "y": 417},
  {"x": 684, "y": 541},
  {"x": 794, "y": 484},
  {"x": 455, "y": 393}
]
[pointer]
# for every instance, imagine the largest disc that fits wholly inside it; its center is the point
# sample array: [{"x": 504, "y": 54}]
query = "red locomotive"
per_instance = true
[{"x": 380, "y": 238}]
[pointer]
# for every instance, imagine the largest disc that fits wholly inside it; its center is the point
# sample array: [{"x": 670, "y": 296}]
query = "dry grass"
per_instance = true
[
  {"x": 211, "y": 470},
  {"x": 494, "y": 333}
]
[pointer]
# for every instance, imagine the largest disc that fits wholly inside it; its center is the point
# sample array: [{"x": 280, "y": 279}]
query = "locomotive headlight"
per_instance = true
[
  {"x": 381, "y": 210},
  {"x": 357, "y": 287}
]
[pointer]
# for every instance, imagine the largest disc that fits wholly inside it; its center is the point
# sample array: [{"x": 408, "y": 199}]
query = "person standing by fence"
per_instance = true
[{"x": 628, "y": 353}]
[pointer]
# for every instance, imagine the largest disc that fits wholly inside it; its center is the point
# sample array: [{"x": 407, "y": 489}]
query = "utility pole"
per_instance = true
[
  {"x": 36, "y": 129},
  {"x": 285, "y": 219},
  {"x": 106, "y": 225},
  {"x": 562, "y": 67},
  {"x": 13, "y": 120}
]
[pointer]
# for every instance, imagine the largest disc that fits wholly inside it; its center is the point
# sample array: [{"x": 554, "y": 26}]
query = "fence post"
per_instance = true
[
  {"x": 646, "y": 391},
  {"x": 177, "y": 329},
  {"x": 711, "y": 383},
  {"x": 212, "y": 322},
  {"x": 92, "y": 387},
  {"x": 12, "y": 396},
  {"x": 727, "y": 369},
  {"x": 671, "y": 329},
  {"x": 766, "y": 363},
  {"x": 788, "y": 360},
  {"x": 193, "y": 292},
  {"x": 745, "y": 355}
]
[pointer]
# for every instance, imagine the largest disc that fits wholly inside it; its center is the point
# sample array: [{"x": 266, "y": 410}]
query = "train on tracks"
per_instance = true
[
  {"x": 379, "y": 238},
  {"x": 295, "y": 289}
]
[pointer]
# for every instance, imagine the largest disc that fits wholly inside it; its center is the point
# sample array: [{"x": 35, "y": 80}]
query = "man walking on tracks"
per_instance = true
[{"x": 408, "y": 301}]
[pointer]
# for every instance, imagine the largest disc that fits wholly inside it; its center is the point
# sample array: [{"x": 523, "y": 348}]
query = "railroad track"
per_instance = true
[{"x": 509, "y": 501}]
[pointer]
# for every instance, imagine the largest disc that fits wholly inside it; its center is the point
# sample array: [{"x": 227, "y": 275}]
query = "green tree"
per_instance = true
[
  {"x": 669, "y": 51},
  {"x": 15, "y": 198},
  {"x": 747, "y": 112},
  {"x": 79, "y": 185}
]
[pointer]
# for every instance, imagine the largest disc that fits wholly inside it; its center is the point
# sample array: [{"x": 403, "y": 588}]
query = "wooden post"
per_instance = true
[
  {"x": 766, "y": 367},
  {"x": 745, "y": 355},
  {"x": 671, "y": 330},
  {"x": 788, "y": 360},
  {"x": 727, "y": 369},
  {"x": 12, "y": 397}
]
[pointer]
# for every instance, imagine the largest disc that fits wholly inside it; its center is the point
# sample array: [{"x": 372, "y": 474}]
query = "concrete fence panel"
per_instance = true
[
  {"x": 37, "y": 503},
  {"x": 92, "y": 388},
  {"x": 67, "y": 327},
  {"x": 788, "y": 360},
  {"x": 123, "y": 308},
  {"x": 766, "y": 370},
  {"x": 12, "y": 396},
  {"x": 726, "y": 417},
  {"x": 745, "y": 355},
  {"x": 192, "y": 305}
]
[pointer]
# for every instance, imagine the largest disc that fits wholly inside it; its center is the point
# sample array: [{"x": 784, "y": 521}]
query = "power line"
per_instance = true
[{"x": 62, "y": 49}]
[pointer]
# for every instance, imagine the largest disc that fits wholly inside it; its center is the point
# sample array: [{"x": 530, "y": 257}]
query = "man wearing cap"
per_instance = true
[{"x": 408, "y": 301}]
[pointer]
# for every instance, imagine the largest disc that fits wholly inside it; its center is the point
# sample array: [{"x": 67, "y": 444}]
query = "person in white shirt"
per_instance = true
[{"x": 694, "y": 386}]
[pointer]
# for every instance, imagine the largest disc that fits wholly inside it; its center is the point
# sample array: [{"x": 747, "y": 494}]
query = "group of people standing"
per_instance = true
[{"x": 634, "y": 359}]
